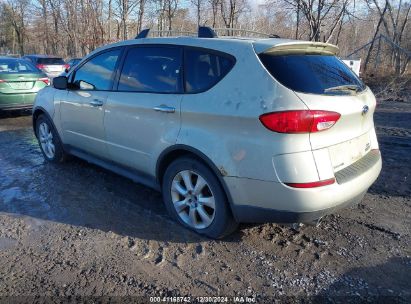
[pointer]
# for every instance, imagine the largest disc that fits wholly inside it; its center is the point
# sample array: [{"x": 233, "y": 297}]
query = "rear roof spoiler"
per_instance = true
[{"x": 296, "y": 47}]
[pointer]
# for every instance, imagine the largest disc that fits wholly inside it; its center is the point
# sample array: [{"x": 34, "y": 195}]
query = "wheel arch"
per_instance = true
[
  {"x": 176, "y": 151},
  {"x": 36, "y": 113}
]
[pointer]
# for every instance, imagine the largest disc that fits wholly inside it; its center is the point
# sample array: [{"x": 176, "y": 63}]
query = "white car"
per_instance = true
[{"x": 230, "y": 130}]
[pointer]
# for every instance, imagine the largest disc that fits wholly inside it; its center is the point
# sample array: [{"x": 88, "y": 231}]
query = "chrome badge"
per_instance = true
[{"x": 365, "y": 110}]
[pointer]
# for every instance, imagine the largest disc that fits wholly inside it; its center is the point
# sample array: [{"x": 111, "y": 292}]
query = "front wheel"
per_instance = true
[
  {"x": 195, "y": 198},
  {"x": 49, "y": 141}
]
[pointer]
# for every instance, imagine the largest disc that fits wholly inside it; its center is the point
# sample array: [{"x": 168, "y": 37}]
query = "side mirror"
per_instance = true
[
  {"x": 86, "y": 86},
  {"x": 60, "y": 83}
]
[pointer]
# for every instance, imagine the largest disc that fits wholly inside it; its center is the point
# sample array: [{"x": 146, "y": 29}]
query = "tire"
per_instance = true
[
  {"x": 49, "y": 140},
  {"x": 203, "y": 209}
]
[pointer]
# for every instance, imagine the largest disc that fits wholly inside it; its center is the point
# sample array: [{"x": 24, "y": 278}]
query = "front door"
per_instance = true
[{"x": 82, "y": 109}]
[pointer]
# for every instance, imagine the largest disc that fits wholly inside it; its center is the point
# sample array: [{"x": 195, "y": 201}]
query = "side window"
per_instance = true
[
  {"x": 152, "y": 69},
  {"x": 97, "y": 73},
  {"x": 204, "y": 69}
]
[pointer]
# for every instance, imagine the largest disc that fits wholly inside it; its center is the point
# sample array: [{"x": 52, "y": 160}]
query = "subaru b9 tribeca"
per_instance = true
[{"x": 230, "y": 130}]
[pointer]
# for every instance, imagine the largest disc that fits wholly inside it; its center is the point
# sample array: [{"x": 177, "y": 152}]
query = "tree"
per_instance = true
[
  {"x": 16, "y": 12},
  {"x": 231, "y": 10}
]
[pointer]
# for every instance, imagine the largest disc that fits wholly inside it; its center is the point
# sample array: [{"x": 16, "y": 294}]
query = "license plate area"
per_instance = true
[
  {"x": 23, "y": 85},
  {"x": 344, "y": 154},
  {"x": 54, "y": 68}
]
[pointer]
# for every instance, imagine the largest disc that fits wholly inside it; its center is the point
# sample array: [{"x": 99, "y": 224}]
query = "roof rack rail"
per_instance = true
[
  {"x": 230, "y": 32},
  {"x": 203, "y": 32},
  {"x": 143, "y": 34},
  {"x": 169, "y": 33},
  {"x": 206, "y": 32}
]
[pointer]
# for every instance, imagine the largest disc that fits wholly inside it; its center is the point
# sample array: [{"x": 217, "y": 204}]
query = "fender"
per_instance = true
[
  {"x": 43, "y": 112},
  {"x": 201, "y": 156}
]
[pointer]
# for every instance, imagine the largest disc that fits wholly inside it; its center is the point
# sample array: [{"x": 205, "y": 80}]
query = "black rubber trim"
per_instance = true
[
  {"x": 127, "y": 172},
  {"x": 251, "y": 214},
  {"x": 358, "y": 168}
]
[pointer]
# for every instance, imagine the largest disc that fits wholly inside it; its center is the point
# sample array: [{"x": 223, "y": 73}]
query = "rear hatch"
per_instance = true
[
  {"x": 325, "y": 83},
  {"x": 21, "y": 83},
  {"x": 51, "y": 65}
]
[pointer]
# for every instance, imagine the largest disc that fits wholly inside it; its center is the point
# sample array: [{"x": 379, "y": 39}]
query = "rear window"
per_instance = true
[
  {"x": 51, "y": 61},
  {"x": 203, "y": 69},
  {"x": 13, "y": 66},
  {"x": 314, "y": 74}
]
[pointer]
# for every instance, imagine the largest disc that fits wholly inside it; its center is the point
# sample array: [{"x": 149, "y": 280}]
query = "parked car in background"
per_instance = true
[
  {"x": 20, "y": 81},
  {"x": 72, "y": 63},
  {"x": 51, "y": 65},
  {"x": 231, "y": 130}
]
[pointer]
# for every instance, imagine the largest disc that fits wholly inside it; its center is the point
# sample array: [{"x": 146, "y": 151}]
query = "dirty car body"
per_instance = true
[{"x": 283, "y": 128}]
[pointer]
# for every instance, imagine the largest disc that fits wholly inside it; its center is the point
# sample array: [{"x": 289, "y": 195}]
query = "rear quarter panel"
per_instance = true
[{"x": 223, "y": 122}]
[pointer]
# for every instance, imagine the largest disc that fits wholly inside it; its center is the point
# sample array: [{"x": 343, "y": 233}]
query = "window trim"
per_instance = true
[
  {"x": 113, "y": 76},
  {"x": 213, "y": 52},
  {"x": 133, "y": 46}
]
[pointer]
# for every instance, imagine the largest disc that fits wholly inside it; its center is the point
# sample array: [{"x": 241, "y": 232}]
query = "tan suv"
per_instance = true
[{"x": 230, "y": 130}]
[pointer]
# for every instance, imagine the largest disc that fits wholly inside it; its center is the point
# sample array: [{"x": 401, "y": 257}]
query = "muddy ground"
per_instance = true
[{"x": 78, "y": 230}]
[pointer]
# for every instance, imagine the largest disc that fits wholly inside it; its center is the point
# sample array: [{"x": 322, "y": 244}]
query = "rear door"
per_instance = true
[
  {"x": 325, "y": 83},
  {"x": 143, "y": 115},
  {"x": 82, "y": 109}
]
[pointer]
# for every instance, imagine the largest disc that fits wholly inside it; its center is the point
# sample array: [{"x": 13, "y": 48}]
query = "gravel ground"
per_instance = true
[{"x": 78, "y": 230}]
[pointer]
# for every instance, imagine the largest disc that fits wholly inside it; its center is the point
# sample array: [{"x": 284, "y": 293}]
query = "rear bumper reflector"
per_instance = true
[{"x": 312, "y": 184}]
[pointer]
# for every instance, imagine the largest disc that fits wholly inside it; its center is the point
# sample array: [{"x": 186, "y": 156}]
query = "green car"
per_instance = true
[{"x": 20, "y": 81}]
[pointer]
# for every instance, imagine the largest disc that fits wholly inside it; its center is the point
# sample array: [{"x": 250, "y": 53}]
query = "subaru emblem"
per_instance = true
[{"x": 364, "y": 110}]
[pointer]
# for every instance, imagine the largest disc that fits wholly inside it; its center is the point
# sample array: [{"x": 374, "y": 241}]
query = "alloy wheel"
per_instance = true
[
  {"x": 193, "y": 199},
  {"x": 46, "y": 140}
]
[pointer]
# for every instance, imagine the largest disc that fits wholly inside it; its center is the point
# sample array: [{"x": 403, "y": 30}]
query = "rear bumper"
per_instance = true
[
  {"x": 262, "y": 201},
  {"x": 12, "y": 107},
  {"x": 251, "y": 214},
  {"x": 52, "y": 75},
  {"x": 17, "y": 101}
]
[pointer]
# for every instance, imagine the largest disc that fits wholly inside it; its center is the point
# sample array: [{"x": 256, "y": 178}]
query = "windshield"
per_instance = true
[
  {"x": 50, "y": 61},
  {"x": 13, "y": 66},
  {"x": 314, "y": 74}
]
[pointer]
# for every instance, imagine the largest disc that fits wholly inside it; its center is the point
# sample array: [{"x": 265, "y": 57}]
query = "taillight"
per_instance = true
[
  {"x": 45, "y": 80},
  {"x": 299, "y": 121},
  {"x": 312, "y": 184},
  {"x": 67, "y": 66},
  {"x": 40, "y": 66},
  {"x": 2, "y": 80}
]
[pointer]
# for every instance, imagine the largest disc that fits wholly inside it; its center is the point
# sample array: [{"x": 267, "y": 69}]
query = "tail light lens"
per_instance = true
[
  {"x": 40, "y": 66},
  {"x": 312, "y": 184},
  {"x": 300, "y": 121},
  {"x": 67, "y": 66},
  {"x": 45, "y": 80},
  {"x": 2, "y": 80}
]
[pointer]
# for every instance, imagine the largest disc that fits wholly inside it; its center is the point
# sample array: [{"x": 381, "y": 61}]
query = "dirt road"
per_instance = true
[{"x": 76, "y": 229}]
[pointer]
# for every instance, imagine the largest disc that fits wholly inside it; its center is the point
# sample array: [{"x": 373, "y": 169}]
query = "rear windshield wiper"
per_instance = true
[{"x": 347, "y": 87}]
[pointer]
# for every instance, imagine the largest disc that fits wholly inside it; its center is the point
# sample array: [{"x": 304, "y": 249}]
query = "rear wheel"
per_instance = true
[
  {"x": 49, "y": 141},
  {"x": 195, "y": 198}
]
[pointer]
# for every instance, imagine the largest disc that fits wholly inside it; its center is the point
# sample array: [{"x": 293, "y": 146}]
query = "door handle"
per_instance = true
[
  {"x": 96, "y": 103},
  {"x": 165, "y": 109}
]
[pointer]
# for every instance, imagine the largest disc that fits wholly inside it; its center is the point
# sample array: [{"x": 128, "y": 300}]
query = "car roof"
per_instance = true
[
  {"x": 10, "y": 57},
  {"x": 229, "y": 44},
  {"x": 42, "y": 56},
  {"x": 259, "y": 44}
]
